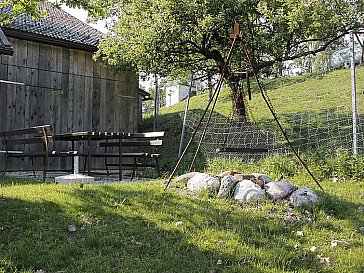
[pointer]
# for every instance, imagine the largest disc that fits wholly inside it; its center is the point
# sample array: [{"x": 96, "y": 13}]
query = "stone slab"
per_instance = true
[{"x": 74, "y": 178}]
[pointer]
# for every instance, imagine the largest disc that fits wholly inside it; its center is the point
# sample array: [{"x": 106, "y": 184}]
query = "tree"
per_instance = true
[
  {"x": 172, "y": 36},
  {"x": 33, "y": 8},
  {"x": 167, "y": 36}
]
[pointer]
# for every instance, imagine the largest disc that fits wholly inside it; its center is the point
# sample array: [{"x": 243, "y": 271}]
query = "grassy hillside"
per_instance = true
[
  {"x": 289, "y": 95},
  {"x": 307, "y": 96}
]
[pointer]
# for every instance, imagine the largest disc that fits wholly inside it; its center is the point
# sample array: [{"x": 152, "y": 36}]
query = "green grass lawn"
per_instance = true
[
  {"x": 137, "y": 227},
  {"x": 134, "y": 227}
]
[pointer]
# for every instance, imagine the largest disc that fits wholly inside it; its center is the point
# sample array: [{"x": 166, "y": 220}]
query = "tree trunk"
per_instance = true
[
  {"x": 237, "y": 98},
  {"x": 209, "y": 85}
]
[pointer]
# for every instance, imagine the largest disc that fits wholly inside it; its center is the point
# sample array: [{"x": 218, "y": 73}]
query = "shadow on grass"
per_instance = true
[
  {"x": 35, "y": 236},
  {"x": 243, "y": 242},
  {"x": 335, "y": 207},
  {"x": 132, "y": 228},
  {"x": 171, "y": 123}
]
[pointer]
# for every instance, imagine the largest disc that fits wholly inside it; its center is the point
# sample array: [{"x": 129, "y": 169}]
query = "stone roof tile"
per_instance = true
[{"x": 57, "y": 25}]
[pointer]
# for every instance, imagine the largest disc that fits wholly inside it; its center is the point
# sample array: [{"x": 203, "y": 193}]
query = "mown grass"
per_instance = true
[
  {"x": 132, "y": 228},
  {"x": 137, "y": 227}
]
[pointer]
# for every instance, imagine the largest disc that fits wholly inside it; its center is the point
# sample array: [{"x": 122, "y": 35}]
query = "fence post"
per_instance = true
[
  {"x": 184, "y": 118},
  {"x": 353, "y": 94},
  {"x": 156, "y": 103}
]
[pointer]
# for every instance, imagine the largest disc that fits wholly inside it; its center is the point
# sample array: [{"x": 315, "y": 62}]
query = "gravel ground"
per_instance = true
[{"x": 99, "y": 179}]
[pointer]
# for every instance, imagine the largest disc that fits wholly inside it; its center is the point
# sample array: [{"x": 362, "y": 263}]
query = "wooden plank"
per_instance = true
[
  {"x": 11, "y": 89},
  {"x": 110, "y": 99},
  {"x": 96, "y": 97},
  {"x": 4, "y": 59},
  {"x": 44, "y": 100},
  {"x": 28, "y": 71},
  {"x": 56, "y": 96},
  {"x": 135, "y": 94},
  {"x": 157, "y": 142},
  {"x": 79, "y": 90},
  {"x": 33, "y": 55},
  {"x": 127, "y": 95},
  {"x": 72, "y": 66},
  {"x": 118, "y": 104},
  {"x": 33, "y": 79},
  {"x": 88, "y": 92},
  {"x": 20, "y": 97},
  {"x": 123, "y": 101},
  {"x": 31, "y": 111},
  {"x": 65, "y": 88},
  {"x": 103, "y": 103},
  {"x": 56, "y": 85},
  {"x": 64, "y": 110},
  {"x": 3, "y": 93}
]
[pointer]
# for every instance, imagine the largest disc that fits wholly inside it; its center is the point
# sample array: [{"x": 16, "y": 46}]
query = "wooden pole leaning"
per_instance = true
[{"x": 214, "y": 97}]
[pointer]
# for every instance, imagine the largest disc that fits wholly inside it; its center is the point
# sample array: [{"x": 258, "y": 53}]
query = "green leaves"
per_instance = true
[
  {"x": 19, "y": 7},
  {"x": 167, "y": 36},
  {"x": 170, "y": 36}
]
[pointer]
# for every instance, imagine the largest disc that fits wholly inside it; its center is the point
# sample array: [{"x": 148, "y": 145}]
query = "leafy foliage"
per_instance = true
[
  {"x": 20, "y": 7},
  {"x": 169, "y": 36}
]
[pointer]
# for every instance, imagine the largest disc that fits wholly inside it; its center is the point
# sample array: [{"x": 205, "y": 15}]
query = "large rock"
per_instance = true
[
  {"x": 227, "y": 184},
  {"x": 304, "y": 196},
  {"x": 226, "y": 173},
  {"x": 242, "y": 176},
  {"x": 197, "y": 182},
  {"x": 263, "y": 177},
  {"x": 247, "y": 190},
  {"x": 278, "y": 190}
]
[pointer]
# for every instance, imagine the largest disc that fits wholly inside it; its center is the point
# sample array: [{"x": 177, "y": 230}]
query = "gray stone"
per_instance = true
[
  {"x": 227, "y": 184},
  {"x": 72, "y": 228},
  {"x": 265, "y": 178},
  {"x": 278, "y": 190},
  {"x": 247, "y": 190},
  {"x": 203, "y": 181},
  {"x": 304, "y": 196}
]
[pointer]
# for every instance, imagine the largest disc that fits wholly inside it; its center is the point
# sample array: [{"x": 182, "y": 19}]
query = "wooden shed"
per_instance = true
[{"x": 55, "y": 80}]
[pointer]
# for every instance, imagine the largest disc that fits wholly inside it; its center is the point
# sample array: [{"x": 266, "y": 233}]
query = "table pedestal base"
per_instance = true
[{"x": 74, "y": 178}]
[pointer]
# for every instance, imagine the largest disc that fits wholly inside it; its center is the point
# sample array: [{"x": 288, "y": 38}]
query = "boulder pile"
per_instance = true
[{"x": 248, "y": 187}]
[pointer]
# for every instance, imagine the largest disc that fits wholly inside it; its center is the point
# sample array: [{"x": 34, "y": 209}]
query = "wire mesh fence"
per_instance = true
[{"x": 316, "y": 115}]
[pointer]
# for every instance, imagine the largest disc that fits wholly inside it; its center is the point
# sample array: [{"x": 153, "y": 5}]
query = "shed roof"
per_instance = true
[
  {"x": 5, "y": 46},
  {"x": 58, "y": 27}
]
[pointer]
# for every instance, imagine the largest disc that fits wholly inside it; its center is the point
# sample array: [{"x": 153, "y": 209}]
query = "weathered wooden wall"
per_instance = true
[{"x": 65, "y": 88}]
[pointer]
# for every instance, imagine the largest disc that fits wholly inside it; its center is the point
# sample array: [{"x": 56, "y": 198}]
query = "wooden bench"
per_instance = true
[
  {"x": 33, "y": 142},
  {"x": 141, "y": 150}
]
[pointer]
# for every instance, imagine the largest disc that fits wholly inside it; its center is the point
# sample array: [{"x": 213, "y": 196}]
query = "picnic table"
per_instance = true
[{"x": 119, "y": 139}]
